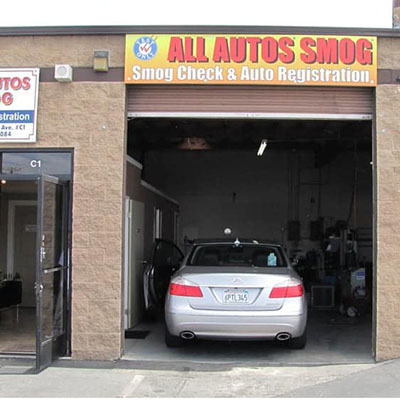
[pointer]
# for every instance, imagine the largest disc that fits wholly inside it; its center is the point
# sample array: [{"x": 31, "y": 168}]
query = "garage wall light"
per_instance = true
[
  {"x": 101, "y": 60},
  {"x": 263, "y": 146}
]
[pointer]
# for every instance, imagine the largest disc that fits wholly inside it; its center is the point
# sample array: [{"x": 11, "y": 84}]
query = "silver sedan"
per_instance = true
[{"x": 236, "y": 290}]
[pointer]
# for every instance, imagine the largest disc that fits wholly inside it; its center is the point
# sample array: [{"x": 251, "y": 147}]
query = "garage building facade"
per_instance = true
[{"x": 89, "y": 118}]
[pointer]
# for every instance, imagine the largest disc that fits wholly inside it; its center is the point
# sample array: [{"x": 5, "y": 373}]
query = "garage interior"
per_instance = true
[{"x": 311, "y": 191}]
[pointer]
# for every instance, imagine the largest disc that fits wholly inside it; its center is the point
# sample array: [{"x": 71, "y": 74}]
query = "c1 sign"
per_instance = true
[
  {"x": 18, "y": 104},
  {"x": 305, "y": 60}
]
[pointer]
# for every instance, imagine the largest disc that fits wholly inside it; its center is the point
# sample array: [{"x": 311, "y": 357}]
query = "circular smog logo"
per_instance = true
[{"x": 145, "y": 48}]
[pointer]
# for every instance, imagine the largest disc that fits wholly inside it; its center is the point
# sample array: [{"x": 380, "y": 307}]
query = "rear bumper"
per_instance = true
[{"x": 226, "y": 325}]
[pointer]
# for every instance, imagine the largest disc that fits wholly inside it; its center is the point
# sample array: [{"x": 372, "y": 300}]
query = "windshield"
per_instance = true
[{"x": 241, "y": 255}]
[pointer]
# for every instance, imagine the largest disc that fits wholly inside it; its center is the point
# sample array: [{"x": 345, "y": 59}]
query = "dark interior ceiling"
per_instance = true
[{"x": 228, "y": 134}]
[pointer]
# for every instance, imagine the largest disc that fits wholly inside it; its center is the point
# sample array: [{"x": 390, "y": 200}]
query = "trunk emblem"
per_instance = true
[{"x": 236, "y": 280}]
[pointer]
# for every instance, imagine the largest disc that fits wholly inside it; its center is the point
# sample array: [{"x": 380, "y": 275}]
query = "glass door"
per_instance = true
[{"x": 51, "y": 271}]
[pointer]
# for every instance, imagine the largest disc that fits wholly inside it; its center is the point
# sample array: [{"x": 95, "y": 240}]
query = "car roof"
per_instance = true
[{"x": 232, "y": 240}]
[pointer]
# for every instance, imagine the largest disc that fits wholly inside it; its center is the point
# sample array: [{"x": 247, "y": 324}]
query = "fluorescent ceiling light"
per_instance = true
[{"x": 262, "y": 147}]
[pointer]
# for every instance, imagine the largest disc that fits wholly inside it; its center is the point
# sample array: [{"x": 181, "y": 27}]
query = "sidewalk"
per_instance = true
[{"x": 120, "y": 380}]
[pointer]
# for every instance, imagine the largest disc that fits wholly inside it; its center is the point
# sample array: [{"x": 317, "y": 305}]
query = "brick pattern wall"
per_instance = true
[
  {"x": 388, "y": 53},
  {"x": 90, "y": 117},
  {"x": 46, "y": 51},
  {"x": 388, "y": 221}
]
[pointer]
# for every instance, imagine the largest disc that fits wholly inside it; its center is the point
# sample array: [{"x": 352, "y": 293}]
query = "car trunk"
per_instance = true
[{"x": 236, "y": 288}]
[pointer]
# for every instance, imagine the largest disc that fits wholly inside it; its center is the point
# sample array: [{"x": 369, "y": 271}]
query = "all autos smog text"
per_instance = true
[{"x": 215, "y": 59}]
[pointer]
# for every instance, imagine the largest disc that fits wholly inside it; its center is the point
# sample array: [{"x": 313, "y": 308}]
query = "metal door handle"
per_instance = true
[
  {"x": 38, "y": 289},
  {"x": 42, "y": 254}
]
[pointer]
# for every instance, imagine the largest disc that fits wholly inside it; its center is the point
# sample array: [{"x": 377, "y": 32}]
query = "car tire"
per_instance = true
[
  {"x": 171, "y": 340},
  {"x": 298, "y": 343}
]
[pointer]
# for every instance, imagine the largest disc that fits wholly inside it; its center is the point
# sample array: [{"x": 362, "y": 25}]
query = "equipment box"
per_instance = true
[{"x": 322, "y": 296}]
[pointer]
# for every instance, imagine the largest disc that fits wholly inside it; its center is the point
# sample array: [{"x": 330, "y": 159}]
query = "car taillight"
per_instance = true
[
  {"x": 177, "y": 289},
  {"x": 291, "y": 289}
]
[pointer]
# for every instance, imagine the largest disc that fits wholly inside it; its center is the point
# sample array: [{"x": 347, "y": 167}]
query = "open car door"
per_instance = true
[{"x": 166, "y": 259}]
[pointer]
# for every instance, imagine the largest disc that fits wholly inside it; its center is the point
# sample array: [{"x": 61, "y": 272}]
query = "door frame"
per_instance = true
[
  {"x": 12, "y": 204},
  {"x": 127, "y": 260},
  {"x": 131, "y": 261},
  {"x": 45, "y": 349},
  {"x": 69, "y": 181}
]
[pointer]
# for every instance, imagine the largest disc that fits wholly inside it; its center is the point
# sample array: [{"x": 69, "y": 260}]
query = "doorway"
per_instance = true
[
  {"x": 18, "y": 269},
  {"x": 311, "y": 192},
  {"x": 35, "y": 272}
]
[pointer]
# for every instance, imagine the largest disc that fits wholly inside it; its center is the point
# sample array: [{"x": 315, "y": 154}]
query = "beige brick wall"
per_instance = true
[
  {"x": 46, "y": 51},
  {"x": 388, "y": 221},
  {"x": 388, "y": 205},
  {"x": 388, "y": 53},
  {"x": 90, "y": 117}
]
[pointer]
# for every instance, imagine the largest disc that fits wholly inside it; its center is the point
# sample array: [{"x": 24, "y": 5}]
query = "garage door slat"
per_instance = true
[{"x": 249, "y": 99}]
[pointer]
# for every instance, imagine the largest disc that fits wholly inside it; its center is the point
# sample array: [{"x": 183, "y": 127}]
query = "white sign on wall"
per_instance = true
[{"x": 18, "y": 104}]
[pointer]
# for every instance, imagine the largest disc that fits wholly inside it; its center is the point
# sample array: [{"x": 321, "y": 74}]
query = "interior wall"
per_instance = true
[
  {"x": 141, "y": 243},
  {"x": 152, "y": 200},
  {"x": 257, "y": 196},
  {"x": 4, "y": 199},
  {"x": 216, "y": 189}
]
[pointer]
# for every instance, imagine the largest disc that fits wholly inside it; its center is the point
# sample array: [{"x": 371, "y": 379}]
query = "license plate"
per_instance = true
[{"x": 235, "y": 296}]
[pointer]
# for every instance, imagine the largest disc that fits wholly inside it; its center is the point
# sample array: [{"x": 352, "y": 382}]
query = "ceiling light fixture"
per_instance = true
[{"x": 263, "y": 146}]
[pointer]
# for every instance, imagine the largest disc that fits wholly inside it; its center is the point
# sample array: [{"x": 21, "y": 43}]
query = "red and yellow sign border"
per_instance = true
[{"x": 303, "y": 60}]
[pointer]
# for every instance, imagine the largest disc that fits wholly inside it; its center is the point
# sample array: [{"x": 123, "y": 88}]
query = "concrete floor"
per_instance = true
[
  {"x": 332, "y": 339},
  {"x": 329, "y": 381},
  {"x": 18, "y": 335}
]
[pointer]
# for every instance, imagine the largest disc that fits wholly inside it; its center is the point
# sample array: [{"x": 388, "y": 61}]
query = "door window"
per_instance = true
[{"x": 167, "y": 254}]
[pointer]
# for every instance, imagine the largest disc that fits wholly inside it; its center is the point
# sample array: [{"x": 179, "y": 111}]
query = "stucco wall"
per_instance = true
[
  {"x": 388, "y": 205},
  {"x": 46, "y": 51},
  {"x": 388, "y": 221},
  {"x": 90, "y": 118}
]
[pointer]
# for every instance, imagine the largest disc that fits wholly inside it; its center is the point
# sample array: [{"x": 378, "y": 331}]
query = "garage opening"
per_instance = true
[{"x": 310, "y": 190}]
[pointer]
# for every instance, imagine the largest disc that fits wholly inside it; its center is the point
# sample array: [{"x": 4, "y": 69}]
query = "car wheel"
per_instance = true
[
  {"x": 171, "y": 340},
  {"x": 298, "y": 342}
]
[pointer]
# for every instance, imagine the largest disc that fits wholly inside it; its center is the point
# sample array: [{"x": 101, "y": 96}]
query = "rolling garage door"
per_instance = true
[{"x": 280, "y": 102}]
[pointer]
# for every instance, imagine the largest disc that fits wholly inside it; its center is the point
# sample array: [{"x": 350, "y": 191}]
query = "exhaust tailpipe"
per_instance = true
[
  {"x": 187, "y": 335},
  {"x": 283, "y": 336}
]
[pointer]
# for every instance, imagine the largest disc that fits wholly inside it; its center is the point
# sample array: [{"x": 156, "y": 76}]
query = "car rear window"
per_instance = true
[{"x": 237, "y": 255}]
